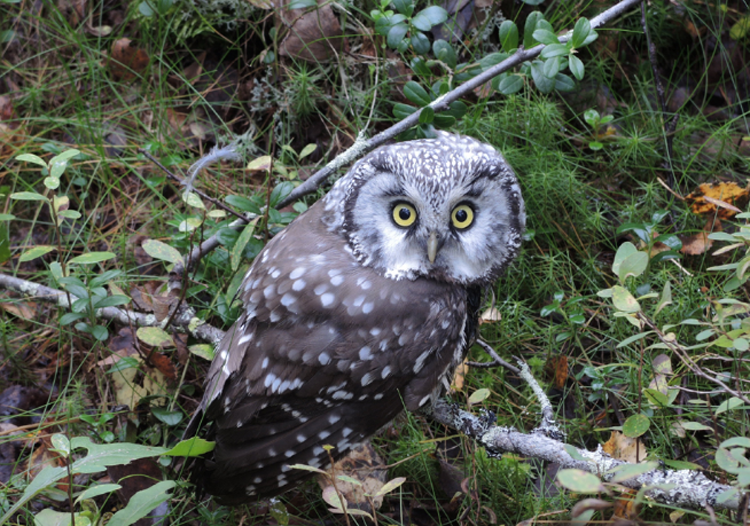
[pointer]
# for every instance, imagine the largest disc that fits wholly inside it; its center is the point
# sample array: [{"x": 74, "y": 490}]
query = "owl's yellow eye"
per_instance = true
[
  {"x": 462, "y": 216},
  {"x": 404, "y": 215}
]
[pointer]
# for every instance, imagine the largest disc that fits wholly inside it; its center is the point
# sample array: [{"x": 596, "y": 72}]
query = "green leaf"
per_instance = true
[
  {"x": 625, "y": 472},
  {"x": 280, "y": 192},
  {"x": 307, "y": 150},
  {"x": 740, "y": 29},
  {"x": 564, "y": 82},
  {"x": 142, "y": 503},
  {"x": 28, "y": 196},
  {"x": 416, "y": 93},
  {"x": 401, "y": 111},
  {"x": 657, "y": 398},
  {"x": 580, "y": 481},
  {"x": 154, "y": 336},
  {"x": 633, "y": 265},
  {"x": 509, "y": 36},
  {"x": 545, "y": 37},
  {"x": 240, "y": 244},
  {"x": 35, "y": 252},
  {"x": 624, "y": 301},
  {"x": 729, "y": 405},
  {"x": 554, "y": 50},
  {"x": 429, "y": 17},
  {"x": 580, "y": 32},
  {"x": 192, "y": 447},
  {"x": 551, "y": 67},
  {"x": 427, "y": 115},
  {"x": 92, "y": 257},
  {"x": 529, "y": 28},
  {"x": 301, "y": 4},
  {"x": 636, "y": 425},
  {"x": 444, "y": 52},
  {"x": 161, "y": 251},
  {"x": 420, "y": 43},
  {"x": 510, "y": 84},
  {"x": 395, "y": 35},
  {"x": 243, "y": 203},
  {"x": 128, "y": 362},
  {"x": 95, "y": 491},
  {"x": 542, "y": 82},
  {"x": 111, "y": 301},
  {"x": 31, "y": 158},
  {"x": 70, "y": 317},
  {"x": 634, "y": 338},
  {"x": 390, "y": 486},
  {"x": 623, "y": 251},
  {"x": 479, "y": 396},
  {"x": 576, "y": 67},
  {"x": 203, "y": 350},
  {"x": 666, "y": 298},
  {"x": 419, "y": 66},
  {"x": 171, "y": 418}
]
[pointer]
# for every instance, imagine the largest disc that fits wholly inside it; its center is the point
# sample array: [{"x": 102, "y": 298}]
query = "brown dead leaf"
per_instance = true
[
  {"x": 163, "y": 363},
  {"x": 557, "y": 368},
  {"x": 26, "y": 310},
  {"x": 365, "y": 465},
  {"x": 313, "y": 36},
  {"x": 624, "y": 448},
  {"x": 722, "y": 199},
  {"x": 126, "y": 60},
  {"x": 626, "y": 506},
  {"x": 699, "y": 243}
]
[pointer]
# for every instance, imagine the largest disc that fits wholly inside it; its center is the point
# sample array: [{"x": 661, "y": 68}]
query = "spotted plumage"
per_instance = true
[{"x": 361, "y": 307}]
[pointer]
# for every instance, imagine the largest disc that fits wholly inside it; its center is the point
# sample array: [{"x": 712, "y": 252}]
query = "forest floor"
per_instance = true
[{"x": 628, "y": 302}]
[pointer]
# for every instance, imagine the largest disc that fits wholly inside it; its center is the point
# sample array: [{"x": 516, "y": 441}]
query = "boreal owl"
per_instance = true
[{"x": 361, "y": 307}]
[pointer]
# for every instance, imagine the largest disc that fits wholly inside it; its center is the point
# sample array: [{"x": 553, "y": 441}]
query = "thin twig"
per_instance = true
[{"x": 496, "y": 360}]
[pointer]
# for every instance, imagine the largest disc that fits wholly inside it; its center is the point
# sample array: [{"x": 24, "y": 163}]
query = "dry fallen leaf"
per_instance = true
[
  {"x": 557, "y": 368},
  {"x": 699, "y": 243},
  {"x": 722, "y": 199},
  {"x": 365, "y": 465},
  {"x": 490, "y": 315},
  {"x": 459, "y": 376},
  {"x": 126, "y": 60},
  {"x": 624, "y": 448},
  {"x": 313, "y": 36}
]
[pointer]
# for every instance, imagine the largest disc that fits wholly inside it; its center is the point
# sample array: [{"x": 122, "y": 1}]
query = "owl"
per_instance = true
[{"x": 361, "y": 307}]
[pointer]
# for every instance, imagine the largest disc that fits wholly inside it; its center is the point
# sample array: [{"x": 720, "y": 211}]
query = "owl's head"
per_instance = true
[{"x": 448, "y": 208}]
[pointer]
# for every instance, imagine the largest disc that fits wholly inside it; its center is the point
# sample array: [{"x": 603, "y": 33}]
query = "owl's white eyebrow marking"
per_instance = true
[
  {"x": 299, "y": 285},
  {"x": 296, "y": 273},
  {"x": 327, "y": 299}
]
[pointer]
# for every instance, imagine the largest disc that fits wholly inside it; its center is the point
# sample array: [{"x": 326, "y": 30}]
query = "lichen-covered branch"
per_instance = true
[
  {"x": 185, "y": 321},
  {"x": 684, "y": 488}
]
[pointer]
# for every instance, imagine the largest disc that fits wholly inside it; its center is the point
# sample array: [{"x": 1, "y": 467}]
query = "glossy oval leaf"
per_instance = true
[
  {"x": 580, "y": 481},
  {"x": 636, "y": 425},
  {"x": 161, "y": 251}
]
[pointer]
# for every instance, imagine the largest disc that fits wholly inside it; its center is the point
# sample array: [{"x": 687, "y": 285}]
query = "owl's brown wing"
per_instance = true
[{"x": 326, "y": 352}]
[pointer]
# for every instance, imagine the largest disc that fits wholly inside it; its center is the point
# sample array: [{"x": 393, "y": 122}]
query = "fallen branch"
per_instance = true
[
  {"x": 363, "y": 146},
  {"x": 185, "y": 321},
  {"x": 684, "y": 488}
]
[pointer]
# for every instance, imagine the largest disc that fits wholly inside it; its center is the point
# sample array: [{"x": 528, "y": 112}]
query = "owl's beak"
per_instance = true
[{"x": 432, "y": 247}]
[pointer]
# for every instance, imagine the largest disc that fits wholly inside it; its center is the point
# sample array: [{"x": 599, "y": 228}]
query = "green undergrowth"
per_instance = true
[{"x": 587, "y": 161}]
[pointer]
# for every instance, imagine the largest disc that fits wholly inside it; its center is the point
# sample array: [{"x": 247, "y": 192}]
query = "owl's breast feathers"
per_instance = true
[{"x": 326, "y": 352}]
